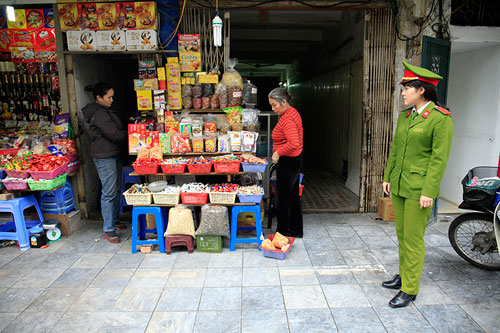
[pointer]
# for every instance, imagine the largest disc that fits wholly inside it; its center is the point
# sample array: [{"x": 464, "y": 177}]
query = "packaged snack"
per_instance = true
[
  {"x": 221, "y": 92},
  {"x": 144, "y": 100},
  {"x": 187, "y": 90},
  {"x": 214, "y": 221},
  {"x": 197, "y": 91},
  {"x": 165, "y": 143},
  {"x": 184, "y": 144},
  {"x": 185, "y": 128},
  {"x": 231, "y": 77},
  {"x": 145, "y": 14},
  {"x": 211, "y": 143},
  {"x": 190, "y": 61},
  {"x": 249, "y": 140},
  {"x": 125, "y": 15},
  {"x": 152, "y": 139},
  {"x": 205, "y": 103},
  {"x": 61, "y": 126},
  {"x": 249, "y": 95},
  {"x": 136, "y": 137},
  {"x": 69, "y": 14},
  {"x": 34, "y": 19},
  {"x": 207, "y": 90},
  {"x": 197, "y": 130},
  {"x": 237, "y": 127},
  {"x": 233, "y": 114},
  {"x": 224, "y": 128},
  {"x": 188, "y": 42},
  {"x": 210, "y": 127},
  {"x": 249, "y": 116},
  {"x": 107, "y": 16},
  {"x": 187, "y": 102},
  {"x": 223, "y": 144},
  {"x": 214, "y": 102},
  {"x": 234, "y": 95},
  {"x": 197, "y": 103},
  {"x": 235, "y": 141},
  {"x": 197, "y": 145}
]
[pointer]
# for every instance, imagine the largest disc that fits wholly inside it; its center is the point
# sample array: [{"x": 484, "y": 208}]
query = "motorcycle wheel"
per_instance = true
[{"x": 461, "y": 233}]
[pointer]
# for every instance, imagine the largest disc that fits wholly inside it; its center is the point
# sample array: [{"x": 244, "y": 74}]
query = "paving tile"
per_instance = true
[
  {"x": 76, "y": 278},
  {"x": 345, "y": 295},
  {"x": 44, "y": 322},
  {"x": 5, "y": 258},
  {"x": 60, "y": 260},
  {"x": 255, "y": 321},
  {"x": 354, "y": 320},
  {"x": 407, "y": 319},
  {"x": 431, "y": 294},
  {"x": 55, "y": 300},
  {"x": 27, "y": 260},
  {"x": 193, "y": 260},
  {"x": 337, "y": 275},
  {"x": 304, "y": 297},
  {"x": 6, "y": 318},
  {"x": 350, "y": 243},
  {"x": 257, "y": 260},
  {"x": 359, "y": 257},
  {"x": 226, "y": 260},
  {"x": 311, "y": 320},
  {"x": 436, "y": 239},
  {"x": 76, "y": 246},
  {"x": 125, "y": 322},
  {"x": 341, "y": 231},
  {"x": 323, "y": 243},
  {"x": 103, "y": 246},
  {"x": 224, "y": 277},
  {"x": 449, "y": 254},
  {"x": 112, "y": 278},
  {"x": 386, "y": 255},
  {"x": 475, "y": 273},
  {"x": 39, "y": 277},
  {"x": 186, "y": 278},
  {"x": 257, "y": 277},
  {"x": 449, "y": 318},
  {"x": 297, "y": 276},
  {"x": 125, "y": 261},
  {"x": 159, "y": 261},
  {"x": 220, "y": 299},
  {"x": 433, "y": 257},
  {"x": 18, "y": 299},
  {"x": 379, "y": 242},
  {"x": 137, "y": 300},
  {"x": 218, "y": 321},
  {"x": 179, "y": 299},
  {"x": 96, "y": 300},
  {"x": 81, "y": 322},
  {"x": 146, "y": 278},
  {"x": 358, "y": 220},
  {"x": 172, "y": 322},
  {"x": 262, "y": 298},
  {"x": 378, "y": 295},
  {"x": 369, "y": 231},
  {"x": 93, "y": 260},
  {"x": 485, "y": 315},
  {"x": 326, "y": 258},
  {"x": 445, "y": 272},
  {"x": 472, "y": 292},
  {"x": 10, "y": 276},
  {"x": 374, "y": 275},
  {"x": 295, "y": 258}
]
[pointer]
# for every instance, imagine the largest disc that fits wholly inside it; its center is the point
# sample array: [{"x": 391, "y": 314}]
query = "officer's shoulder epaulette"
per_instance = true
[
  {"x": 442, "y": 110},
  {"x": 408, "y": 111}
]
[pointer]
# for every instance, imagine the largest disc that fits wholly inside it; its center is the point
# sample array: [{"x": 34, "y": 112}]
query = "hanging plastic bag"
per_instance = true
[
  {"x": 249, "y": 95},
  {"x": 231, "y": 77}
]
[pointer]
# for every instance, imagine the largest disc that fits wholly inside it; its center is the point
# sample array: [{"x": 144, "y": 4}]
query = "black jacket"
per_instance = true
[{"x": 105, "y": 130}]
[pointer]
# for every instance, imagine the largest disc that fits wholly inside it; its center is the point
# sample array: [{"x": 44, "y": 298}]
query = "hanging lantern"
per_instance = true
[{"x": 217, "y": 27}]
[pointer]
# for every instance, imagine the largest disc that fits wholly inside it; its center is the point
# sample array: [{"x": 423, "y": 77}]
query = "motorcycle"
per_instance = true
[{"x": 475, "y": 236}]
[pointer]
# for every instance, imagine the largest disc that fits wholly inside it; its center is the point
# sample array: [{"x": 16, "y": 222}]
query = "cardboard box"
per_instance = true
[
  {"x": 111, "y": 40},
  {"x": 152, "y": 139},
  {"x": 205, "y": 78},
  {"x": 161, "y": 74},
  {"x": 145, "y": 15},
  {"x": 160, "y": 99},
  {"x": 125, "y": 12},
  {"x": 138, "y": 40},
  {"x": 70, "y": 222},
  {"x": 190, "y": 61},
  {"x": 188, "y": 42},
  {"x": 136, "y": 137},
  {"x": 146, "y": 84},
  {"x": 385, "y": 209},
  {"x": 84, "y": 40},
  {"x": 69, "y": 16},
  {"x": 165, "y": 143},
  {"x": 88, "y": 19},
  {"x": 144, "y": 100},
  {"x": 107, "y": 16}
]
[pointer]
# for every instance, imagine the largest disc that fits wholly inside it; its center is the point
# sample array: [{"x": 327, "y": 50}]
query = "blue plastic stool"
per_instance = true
[
  {"x": 139, "y": 227},
  {"x": 59, "y": 201},
  {"x": 234, "y": 225},
  {"x": 127, "y": 180},
  {"x": 18, "y": 229}
]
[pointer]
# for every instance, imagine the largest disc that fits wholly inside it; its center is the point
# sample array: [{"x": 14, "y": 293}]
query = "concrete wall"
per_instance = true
[{"x": 474, "y": 99}]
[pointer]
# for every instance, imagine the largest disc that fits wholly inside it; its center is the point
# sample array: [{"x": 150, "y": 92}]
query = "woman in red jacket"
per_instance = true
[{"x": 287, "y": 154}]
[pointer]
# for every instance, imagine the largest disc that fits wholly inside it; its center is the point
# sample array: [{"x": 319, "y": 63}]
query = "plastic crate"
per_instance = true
[
  {"x": 11, "y": 151},
  {"x": 194, "y": 198},
  {"x": 250, "y": 198},
  {"x": 17, "y": 173},
  {"x": 166, "y": 198},
  {"x": 47, "y": 185},
  {"x": 222, "y": 197},
  {"x": 143, "y": 199},
  {"x": 173, "y": 168},
  {"x": 145, "y": 169},
  {"x": 211, "y": 244},
  {"x": 49, "y": 174},
  {"x": 16, "y": 185},
  {"x": 200, "y": 168},
  {"x": 254, "y": 167},
  {"x": 277, "y": 254},
  {"x": 227, "y": 167}
]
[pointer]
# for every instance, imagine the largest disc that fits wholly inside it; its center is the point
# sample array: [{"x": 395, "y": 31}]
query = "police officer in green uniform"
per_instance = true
[{"x": 415, "y": 167}]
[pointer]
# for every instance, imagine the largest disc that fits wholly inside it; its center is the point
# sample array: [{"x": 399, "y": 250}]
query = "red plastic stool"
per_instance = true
[{"x": 180, "y": 240}]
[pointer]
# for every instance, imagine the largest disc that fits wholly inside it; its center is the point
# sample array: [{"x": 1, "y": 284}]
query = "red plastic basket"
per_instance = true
[
  {"x": 17, "y": 173},
  {"x": 49, "y": 174},
  {"x": 73, "y": 167},
  {"x": 194, "y": 198},
  {"x": 72, "y": 157},
  {"x": 227, "y": 167},
  {"x": 11, "y": 151},
  {"x": 277, "y": 254},
  {"x": 145, "y": 169},
  {"x": 16, "y": 185},
  {"x": 200, "y": 168},
  {"x": 173, "y": 168}
]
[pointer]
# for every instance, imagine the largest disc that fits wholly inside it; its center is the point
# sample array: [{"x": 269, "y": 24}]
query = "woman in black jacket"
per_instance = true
[{"x": 106, "y": 134}]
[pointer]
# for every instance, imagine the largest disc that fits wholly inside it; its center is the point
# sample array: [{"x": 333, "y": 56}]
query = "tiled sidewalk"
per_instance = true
[{"x": 329, "y": 282}]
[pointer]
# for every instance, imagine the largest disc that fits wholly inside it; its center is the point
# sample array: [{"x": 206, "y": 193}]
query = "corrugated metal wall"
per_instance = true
[{"x": 332, "y": 117}]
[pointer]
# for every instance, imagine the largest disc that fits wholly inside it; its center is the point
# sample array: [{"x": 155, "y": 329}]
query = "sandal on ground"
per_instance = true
[
  {"x": 112, "y": 237},
  {"x": 120, "y": 226}
]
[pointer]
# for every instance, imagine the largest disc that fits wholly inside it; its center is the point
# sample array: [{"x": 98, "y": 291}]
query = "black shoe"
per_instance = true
[
  {"x": 401, "y": 300},
  {"x": 395, "y": 283}
]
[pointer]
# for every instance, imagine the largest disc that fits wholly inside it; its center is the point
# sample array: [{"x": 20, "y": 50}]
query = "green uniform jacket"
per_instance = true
[{"x": 419, "y": 153}]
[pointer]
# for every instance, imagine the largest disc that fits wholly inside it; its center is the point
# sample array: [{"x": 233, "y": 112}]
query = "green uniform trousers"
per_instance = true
[{"x": 410, "y": 228}]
